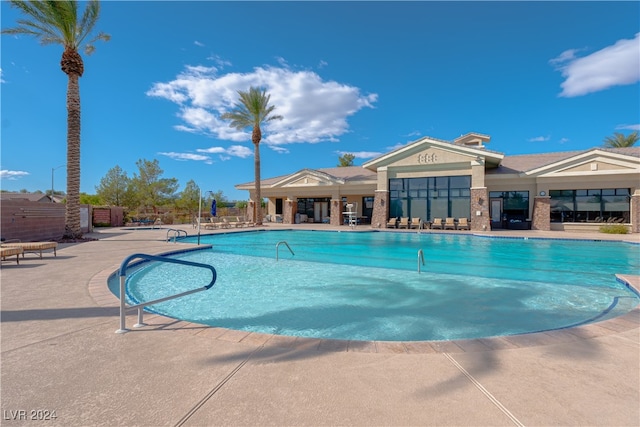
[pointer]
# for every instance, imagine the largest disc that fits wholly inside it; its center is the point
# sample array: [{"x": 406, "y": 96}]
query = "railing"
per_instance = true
[
  {"x": 278, "y": 246},
  {"x": 420, "y": 259},
  {"x": 176, "y": 234},
  {"x": 123, "y": 277}
]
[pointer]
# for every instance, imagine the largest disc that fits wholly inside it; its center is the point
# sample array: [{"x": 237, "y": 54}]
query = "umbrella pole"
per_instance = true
[{"x": 199, "y": 213}]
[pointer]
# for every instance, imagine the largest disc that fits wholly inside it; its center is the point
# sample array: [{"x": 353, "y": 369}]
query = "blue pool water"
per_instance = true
[{"x": 366, "y": 285}]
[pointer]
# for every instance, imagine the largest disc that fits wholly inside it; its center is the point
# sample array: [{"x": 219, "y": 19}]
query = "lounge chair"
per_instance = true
[
  {"x": 463, "y": 224},
  {"x": 238, "y": 223},
  {"x": 404, "y": 222},
  {"x": 10, "y": 251},
  {"x": 437, "y": 223},
  {"x": 416, "y": 223},
  {"x": 211, "y": 224},
  {"x": 449, "y": 224},
  {"x": 35, "y": 247},
  {"x": 393, "y": 223}
]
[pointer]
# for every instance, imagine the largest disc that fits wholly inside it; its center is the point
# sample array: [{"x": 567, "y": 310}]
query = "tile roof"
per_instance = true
[{"x": 527, "y": 162}]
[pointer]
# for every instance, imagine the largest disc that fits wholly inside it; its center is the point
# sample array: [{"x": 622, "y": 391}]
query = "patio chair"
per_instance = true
[
  {"x": 10, "y": 251},
  {"x": 449, "y": 224},
  {"x": 404, "y": 222},
  {"x": 463, "y": 224},
  {"x": 437, "y": 223},
  {"x": 393, "y": 223},
  {"x": 211, "y": 224},
  {"x": 416, "y": 223},
  {"x": 35, "y": 247}
]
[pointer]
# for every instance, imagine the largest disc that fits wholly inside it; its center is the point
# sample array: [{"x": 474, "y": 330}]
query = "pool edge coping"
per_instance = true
[{"x": 101, "y": 294}]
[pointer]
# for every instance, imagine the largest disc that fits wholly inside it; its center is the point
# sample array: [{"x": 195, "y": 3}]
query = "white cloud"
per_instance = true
[
  {"x": 220, "y": 62},
  {"x": 1, "y": 78},
  {"x": 186, "y": 156},
  {"x": 398, "y": 145},
  {"x": 615, "y": 65},
  {"x": 563, "y": 140},
  {"x": 197, "y": 43},
  {"x": 12, "y": 175},
  {"x": 228, "y": 152},
  {"x": 361, "y": 154},
  {"x": 628, "y": 127},
  {"x": 539, "y": 139},
  {"x": 313, "y": 110}
]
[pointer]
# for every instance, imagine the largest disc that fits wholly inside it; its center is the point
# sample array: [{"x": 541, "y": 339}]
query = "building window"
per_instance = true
[
  {"x": 430, "y": 197},
  {"x": 595, "y": 205},
  {"x": 278, "y": 206},
  {"x": 515, "y": 204}
]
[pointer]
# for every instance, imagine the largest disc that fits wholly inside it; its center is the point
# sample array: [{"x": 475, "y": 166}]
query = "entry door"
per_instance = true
[
  {"x": 320, "y": 210},
  {"x": 496, "y": 213}
]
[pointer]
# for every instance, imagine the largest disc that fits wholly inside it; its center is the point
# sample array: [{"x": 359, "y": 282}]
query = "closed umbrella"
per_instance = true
[{"x": 213, "y": 207}]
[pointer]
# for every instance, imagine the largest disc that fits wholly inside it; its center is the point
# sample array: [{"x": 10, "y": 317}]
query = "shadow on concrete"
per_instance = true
[{"x": 58, "y": 313}]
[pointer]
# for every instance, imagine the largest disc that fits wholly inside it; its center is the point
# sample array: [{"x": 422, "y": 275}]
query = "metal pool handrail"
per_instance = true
[
  {"x": 176, "y": 234},
  {"x": 286, "y": 244},
  {"x": 123, "y": 277},
  {"x": 420, "y": 258}
]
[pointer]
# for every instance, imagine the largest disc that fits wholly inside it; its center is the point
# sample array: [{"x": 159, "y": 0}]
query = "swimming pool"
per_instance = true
[{"x": 366, "y": 285}]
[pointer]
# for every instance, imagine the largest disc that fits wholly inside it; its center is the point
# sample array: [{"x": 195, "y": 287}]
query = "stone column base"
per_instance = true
[{"x": 380, "y": 215}]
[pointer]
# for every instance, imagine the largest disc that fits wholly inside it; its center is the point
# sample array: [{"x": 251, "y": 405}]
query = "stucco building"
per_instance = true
[{"x": 432, "y": 178}]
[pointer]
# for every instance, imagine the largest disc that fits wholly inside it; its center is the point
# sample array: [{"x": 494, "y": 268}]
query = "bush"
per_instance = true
[{"x": 614, "y": 229}]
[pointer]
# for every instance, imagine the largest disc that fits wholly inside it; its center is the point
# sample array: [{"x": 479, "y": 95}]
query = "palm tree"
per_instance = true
[
  {"x": 57, "y": 22},
  {"x": 619, "y": 140},
  {"x": 252, "y": 110}
]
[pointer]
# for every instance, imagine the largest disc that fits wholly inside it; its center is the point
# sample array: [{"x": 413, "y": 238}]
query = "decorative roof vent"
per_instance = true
[{"x": 473, "y": 139}]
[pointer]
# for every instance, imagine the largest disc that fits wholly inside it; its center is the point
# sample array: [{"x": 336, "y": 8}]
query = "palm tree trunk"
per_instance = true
[
  {"x": 258, "y": 202},
  {"x": 72, "y": 215}
]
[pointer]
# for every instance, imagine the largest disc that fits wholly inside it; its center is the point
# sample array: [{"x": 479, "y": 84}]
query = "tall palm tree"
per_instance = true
[
  {"x": 57, "y": 22},
  {"x": 619, "y": 140},
  {"x": 252, "y": 110}
]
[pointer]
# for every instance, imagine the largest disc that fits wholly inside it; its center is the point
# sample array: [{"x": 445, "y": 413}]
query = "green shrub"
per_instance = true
[{"x": 614, "y": 229}]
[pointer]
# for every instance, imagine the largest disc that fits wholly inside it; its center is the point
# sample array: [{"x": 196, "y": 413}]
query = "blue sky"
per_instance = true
[{"x": 348, "y": 77}]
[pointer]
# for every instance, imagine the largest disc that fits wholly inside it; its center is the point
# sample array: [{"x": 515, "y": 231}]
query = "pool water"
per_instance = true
[{"x": 366, "y": 285}]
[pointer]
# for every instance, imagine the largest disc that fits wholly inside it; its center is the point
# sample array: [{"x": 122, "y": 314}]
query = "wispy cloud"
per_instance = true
[
  {"x": 1, "y": 78},
  {"x": 361, "y": 154},
  {"x": 219, "y": 61},
  {"x": 563, "y": 140},
  {"x": 628, "y": 127},
  {"x": 186, "y": 156},
  {"x": 203, "y": 154},
  {"x": 12, "y": 175},
  {"x": 313, "y": 110},
  {"x": 539, "y": 139},
  {"x": 615, "y": 65},
  {"x": 233, "y": 151}
]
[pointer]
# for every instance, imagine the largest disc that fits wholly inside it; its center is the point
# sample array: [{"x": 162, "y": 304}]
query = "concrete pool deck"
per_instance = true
[{"x": 60, "y": 352}]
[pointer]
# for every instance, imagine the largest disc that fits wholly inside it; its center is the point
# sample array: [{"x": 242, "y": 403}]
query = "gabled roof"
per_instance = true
[
  {"x": 530, "y": 164},
  {"x": 331, "y": 176},
  {"x": 490, "y": 157}
]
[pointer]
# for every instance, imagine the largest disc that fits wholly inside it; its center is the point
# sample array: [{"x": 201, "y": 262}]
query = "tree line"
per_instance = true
[{"x": 147, "y": 192}]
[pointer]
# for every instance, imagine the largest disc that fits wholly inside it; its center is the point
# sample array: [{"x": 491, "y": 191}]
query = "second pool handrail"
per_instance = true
[{"x": 122, "y": 272}]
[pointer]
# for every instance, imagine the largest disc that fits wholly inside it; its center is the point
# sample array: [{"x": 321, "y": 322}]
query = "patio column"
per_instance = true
[
  {"x": 480, "y": 204},
  {"x": 289, "y": 212},
  {"x": 251, "y": 211},
  {"x": 380, "y": 214},
  {"x": 635, "y": 213},
  {"x": 336, "y": 212},
  {"x": 541, "y": 213}
]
